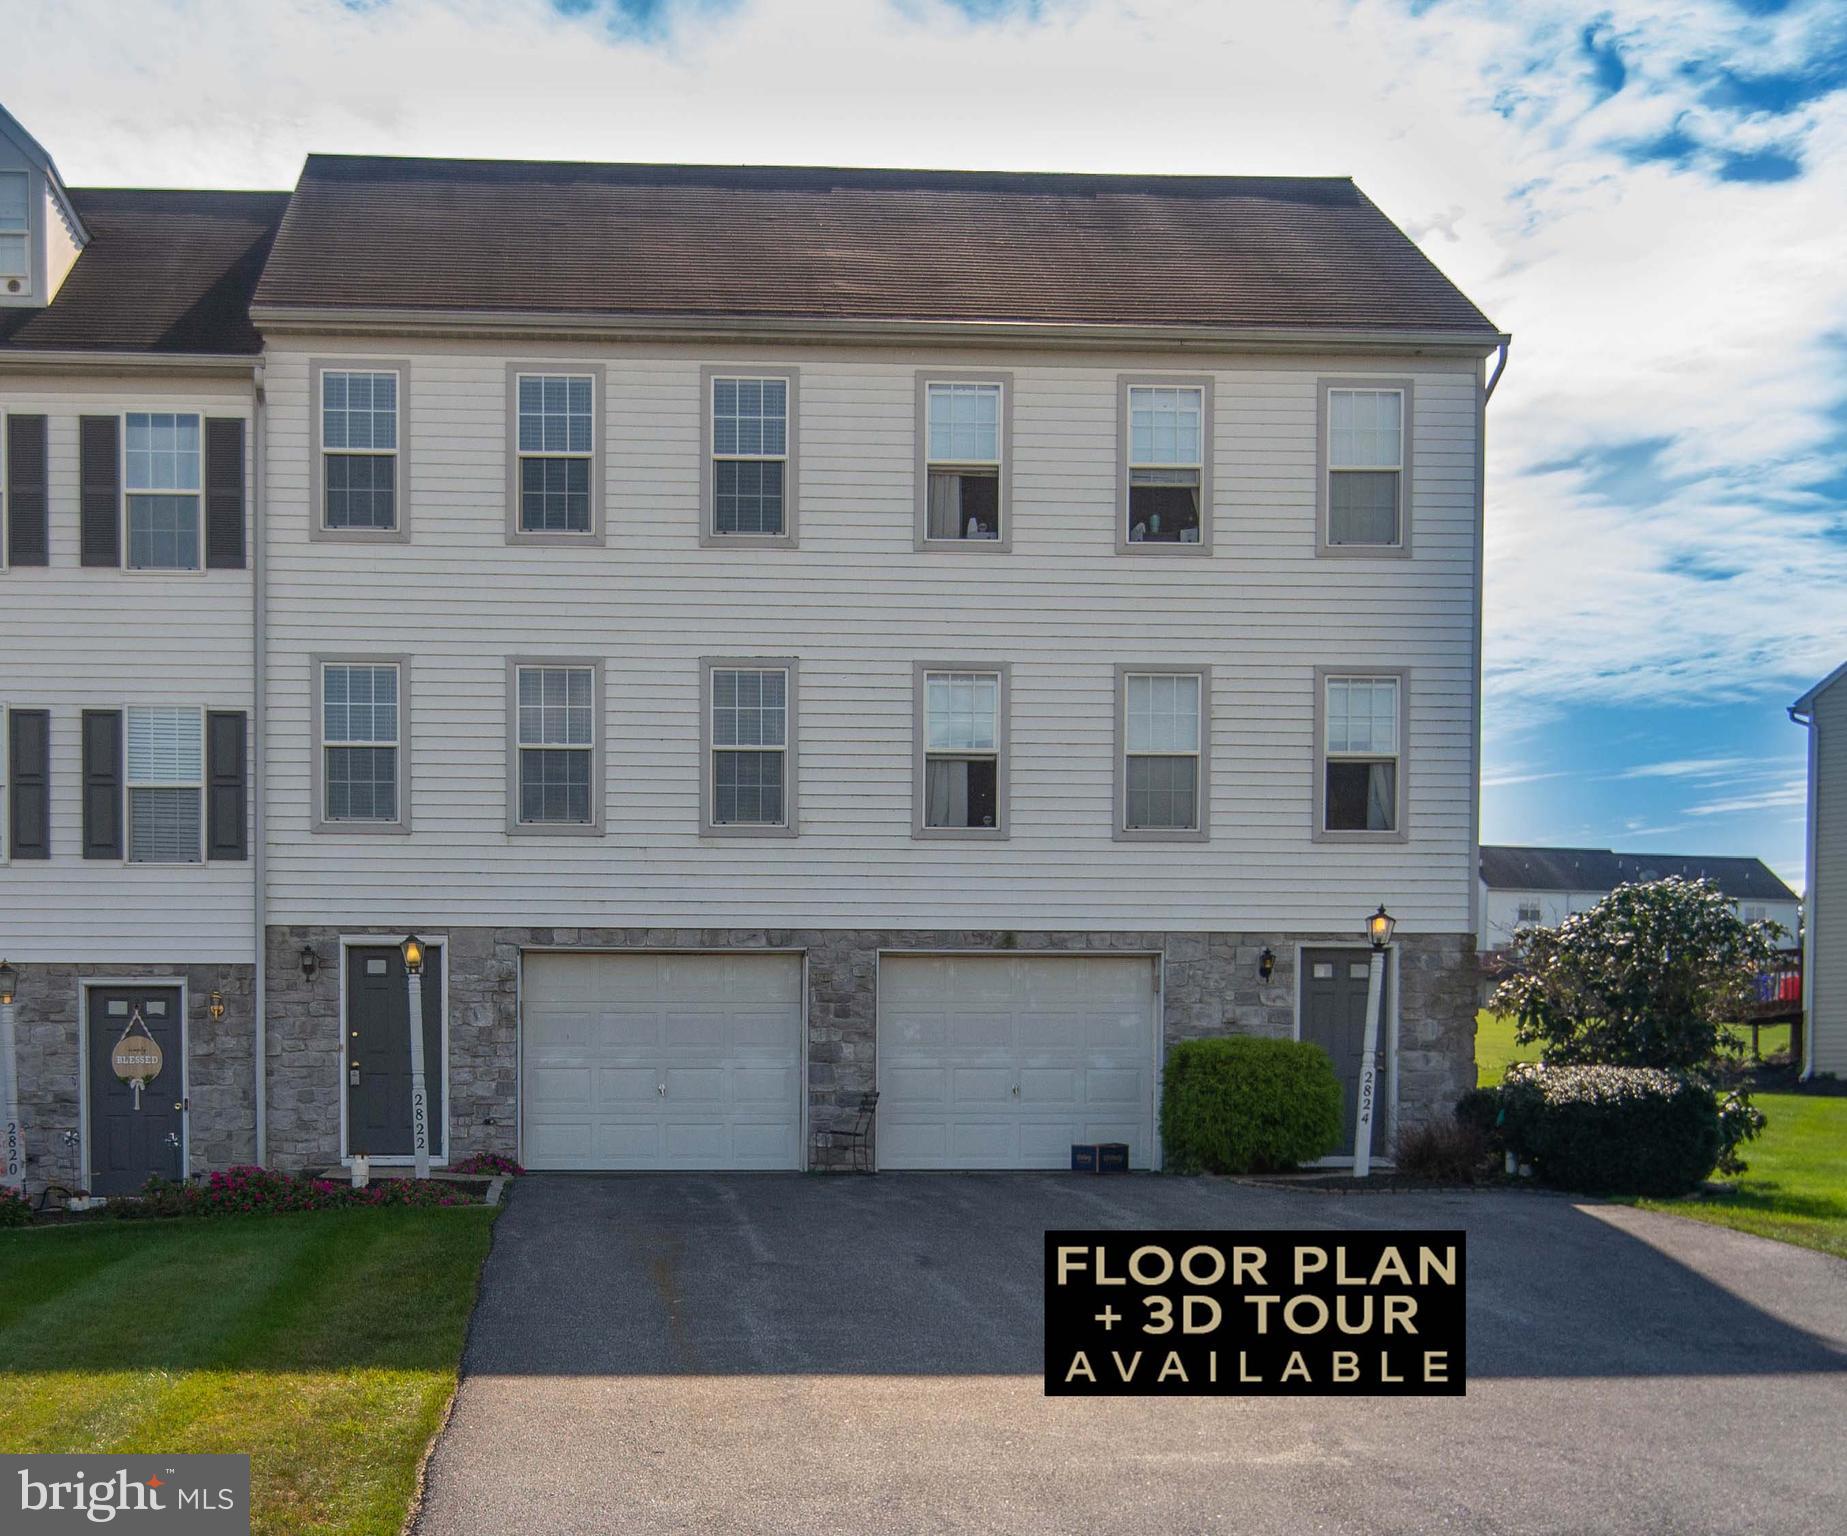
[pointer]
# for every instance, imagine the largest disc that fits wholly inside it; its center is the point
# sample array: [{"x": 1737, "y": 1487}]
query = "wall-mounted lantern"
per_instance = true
[
  {"x": 9, "y": 983},
  {"x": 1266, "y": 963},
  {"x": 310, "y": 963},
  {"x": 215, "y": 1006}
]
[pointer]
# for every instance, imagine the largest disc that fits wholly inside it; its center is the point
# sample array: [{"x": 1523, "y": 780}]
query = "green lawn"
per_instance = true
[
  {"x": 1795, "y": 1189},
  {"x": 324, "y": 1345}
]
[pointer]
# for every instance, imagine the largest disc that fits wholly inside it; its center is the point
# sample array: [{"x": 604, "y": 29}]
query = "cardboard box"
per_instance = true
[{"x": 1100, "y": 1157}]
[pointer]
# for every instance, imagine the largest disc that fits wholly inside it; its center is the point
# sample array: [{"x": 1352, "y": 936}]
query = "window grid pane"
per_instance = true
[
  {"x": 1162, "y": 712},
  {"x": 15, "y": 202},
  {"x": 163, "y": 533},
  {"x": 361, "y": 490},
  {"x": 964, "y": 423},
  {"x": 1365, "y": 429},
  {"x": 1165, "y": 424},
  {"x": 161, "y": 452},
  {"x": 556, "y": 708},
  {"x": 749, "y": 709},
  {"x": 1363, "y": 506},
  {"x": 962, "y": 711},
  {"x": 359, "y": 703},
  {"x": 164, "y": 746},
  {"x": 748, "y": 496},
  {"x": 163, "y": 826},
  {"x": 747, "y": 789},
  {"x": 554, "y": 495},
  {"x": 554, "y": 785},
  {"x": 1162, "y": 794},
  {"x": 750, "y": 418},
  {"x": 359, "y": 411},
  {"x": 554, "y": 413},
  {"x": 1362, "y": 715},
  {"x": 362, "y": 783}
]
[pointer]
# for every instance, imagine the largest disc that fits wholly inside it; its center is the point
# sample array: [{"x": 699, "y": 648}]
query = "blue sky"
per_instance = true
[{"x": 1648, "y": 195}]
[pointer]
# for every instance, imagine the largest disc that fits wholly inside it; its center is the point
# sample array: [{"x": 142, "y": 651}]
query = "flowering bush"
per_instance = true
[
  {"x": 15, "y": 1208},
  {"x": 486, "y": 1162},
  {"x": 259, "y": 1191}
]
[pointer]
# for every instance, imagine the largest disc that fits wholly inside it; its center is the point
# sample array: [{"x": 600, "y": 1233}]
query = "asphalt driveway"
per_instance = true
[{"x": 779, "y": 1353}]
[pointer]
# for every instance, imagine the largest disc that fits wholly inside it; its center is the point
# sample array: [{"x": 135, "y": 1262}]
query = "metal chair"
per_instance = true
[{"x": 854, "y": 1134}]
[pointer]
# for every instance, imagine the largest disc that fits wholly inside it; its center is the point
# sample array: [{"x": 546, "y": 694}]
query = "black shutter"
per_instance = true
[
  {"x": 224, "y": 495},
  {"x": 102, "y": 784},
  {"x": 26, "y": 543},
  {"x": 99, "y": 473},
  {"x": 29, "y": 777},
  {"x": 227, "y": 799}
]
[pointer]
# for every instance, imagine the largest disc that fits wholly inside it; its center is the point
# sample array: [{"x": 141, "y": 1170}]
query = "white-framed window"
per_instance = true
[
  {"x": 1363, "y": 753},
  {"x": 750, "y": 456},
  {"x": 555, "y": 440},
  {"x": 361, "y": 733},
  {"x": 164, "y": 758},
  {"x": 1528, "y": 913},
  {"x": 555, "y": 735},
  {"x": 1365, "y": 467},
  {"x": 15, "y": 231},
  {"x": 964, "y": 751},
  {"x": 1163, "y": 751},
  {"x": 1754, "y": 913},
  {"x": 962, "y": 461},
  {"x": 161, "y": 476},
  {"x": 749, "y": 741},
  {"x": 1166, "y": 463},
  {"x": 359, "y": 449}
]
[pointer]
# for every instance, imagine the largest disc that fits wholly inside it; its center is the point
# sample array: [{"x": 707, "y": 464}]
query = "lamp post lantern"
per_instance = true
[
  {"x": 419, "y": 1092},
  {"x": 12, "y": 1135},
  {"x": 1379, "y": 931}
]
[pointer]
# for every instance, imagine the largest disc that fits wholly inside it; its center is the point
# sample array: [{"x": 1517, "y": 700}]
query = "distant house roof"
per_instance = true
[
  {"x": 1806, "y": 703},
  {"x": 885, "y": 245},
  {"x": 168, "y": 272},
  {"x": 1599, "y": 869}
]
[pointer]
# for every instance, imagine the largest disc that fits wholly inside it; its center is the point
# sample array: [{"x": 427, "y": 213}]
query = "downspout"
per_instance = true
[
  {"x": 259, "y": 870},
  {"x": 1807, "y": 722},
  {"x": 1484, "y": 393}
]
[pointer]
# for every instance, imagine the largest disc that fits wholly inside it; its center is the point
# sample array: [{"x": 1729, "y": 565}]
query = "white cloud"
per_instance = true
[
  {"x": 1791, "y": 791},
  {"x": 1647, "y": 302}
]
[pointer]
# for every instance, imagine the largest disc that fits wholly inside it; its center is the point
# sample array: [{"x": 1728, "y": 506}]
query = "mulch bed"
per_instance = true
[{"x": 1384, "y": 1182}]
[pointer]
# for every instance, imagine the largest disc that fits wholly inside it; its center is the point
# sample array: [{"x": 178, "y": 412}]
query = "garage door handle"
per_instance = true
[
  {"x": 1016, "y": 1090},
  {"x": 661, "y": 1089}
]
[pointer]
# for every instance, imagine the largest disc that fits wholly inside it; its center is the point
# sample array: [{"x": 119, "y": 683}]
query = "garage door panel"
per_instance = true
[
  {"x": 1115, "y": 1085},
  {"x": 911, "y": 1143},
  {"x": 696, "y": 1027},
  {"x": 765, "y": 1030},
  {"x": 768, "y": 1145},
  {"x": 972, "y": 1087},
  {"x": 694, "y": 1085},
  {"x": 561, "y": 1144},
  {"x": 1116, "y": 1031},
  {"x": 762, "y": 1085},
  {"x": 564, "y": 1087},
  {"x": 625, "y": 1085},
  {"x": 984, "y": 1144},
  {"x": 905, "y": 1086},
  {"x": 635, "y": 1025},
  {"x": 1048, "y": 1085},
  {"x": 625, "y": 1144},
  {"x": 980, "y": 1028},
  {"x": 908, "y": 1027}
]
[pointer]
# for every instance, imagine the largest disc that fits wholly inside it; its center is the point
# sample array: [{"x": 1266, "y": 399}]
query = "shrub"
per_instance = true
[
  {"x": 15, "y": 1208},
  {"x": 1614, "y": 1130},
  {"x": 1449, "y": 1151},
  {"x": 486, "y": 1162},
  {"x": 1248, "y": 1106},
  {"x": 258, "y": 1191},
  {"x": 1479, "y": 1110}
]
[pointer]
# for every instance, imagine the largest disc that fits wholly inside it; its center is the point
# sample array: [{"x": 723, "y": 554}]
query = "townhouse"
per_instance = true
[{"x": 774, "y": 635}]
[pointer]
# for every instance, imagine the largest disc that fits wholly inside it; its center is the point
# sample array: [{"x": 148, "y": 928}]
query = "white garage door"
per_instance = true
[
  {"x": 1004, "y": 1062},
  {"x": 662, "y": 1061}
]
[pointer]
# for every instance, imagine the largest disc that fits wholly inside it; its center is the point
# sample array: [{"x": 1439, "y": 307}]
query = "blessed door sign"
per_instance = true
[
  {"x": 1260, "y": 1314},
  {"x": 136, "y": 1058}
]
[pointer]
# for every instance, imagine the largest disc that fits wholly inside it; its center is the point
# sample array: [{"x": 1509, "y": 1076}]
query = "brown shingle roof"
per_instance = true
[
  {"x": 163, "y": 272},
  {"x": 650, "y": 240}
]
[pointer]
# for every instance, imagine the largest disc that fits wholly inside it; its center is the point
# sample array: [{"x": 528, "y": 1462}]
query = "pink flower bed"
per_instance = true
[
  {"x": 487, "y": 1162},
  {"x": 256, "y": 1191}
]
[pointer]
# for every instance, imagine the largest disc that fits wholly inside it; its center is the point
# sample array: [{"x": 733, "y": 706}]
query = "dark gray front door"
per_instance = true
[
  {"x": 378, "y": 1051},
  {"x": 1334, "y": 1018},
  {"x": 128, "y": 1146}
]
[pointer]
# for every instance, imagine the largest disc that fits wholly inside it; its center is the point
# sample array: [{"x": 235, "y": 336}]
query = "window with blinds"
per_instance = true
[
  {"x": 161, "y": 479},
  {"x": 1365, "y": 457},
  {"x": 1161, "y": 746},
  {"x": 557, "y": 744},
  {"x": 359, "y": 741},
  {"x": 1361, "y": 769},
  {"x": 164, "y": 762}
]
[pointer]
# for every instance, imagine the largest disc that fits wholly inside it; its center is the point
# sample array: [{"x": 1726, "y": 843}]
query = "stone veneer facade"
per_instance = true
[
  {"x": 220, "y": 1083},
  {"x": 1211, "y": 988}
]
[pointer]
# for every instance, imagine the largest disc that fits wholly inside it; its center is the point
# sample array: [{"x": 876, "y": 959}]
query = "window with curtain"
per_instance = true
[
  {"x": 962, "y": 750},
  {"x": 359, "y": 447},
  {"x": 557, "y": 741},
  {"x": 360, "y": 741},
  {"x": 962, "y": 461},
  {"x": 164, "y": 754},
  {"x": 750, "y": 455},
  {"x": 1362, "y": 754},
  {"x": 161, "y": 477},
  {"x": 1528, "y": 912},
  {"x": 1166, "y": 443},
  {"x": 555, "y": 435},
  {"x": 15, "y": 229},
  {"x": 750, "y": 716},
  {"x": 1365, "y": 466},
  {"x": 1161, "y": 746}
]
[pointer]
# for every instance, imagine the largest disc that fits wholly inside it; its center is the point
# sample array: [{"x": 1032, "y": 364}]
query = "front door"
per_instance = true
[
  {"x": 1334, "y": 1018},
  {"x": 128, "y": 1144},
  {"x": 377, "y": 1064}
]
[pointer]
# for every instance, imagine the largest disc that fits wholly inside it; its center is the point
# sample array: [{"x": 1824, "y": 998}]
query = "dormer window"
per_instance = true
[{"x": 15, "y": 231}]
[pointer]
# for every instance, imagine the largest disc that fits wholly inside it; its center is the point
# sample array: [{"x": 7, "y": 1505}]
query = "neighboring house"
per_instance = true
[
  {"x": 1540, "y": 887},
  {"x": 1823, "y": 709},
  {"x": 778, "y": 635}
]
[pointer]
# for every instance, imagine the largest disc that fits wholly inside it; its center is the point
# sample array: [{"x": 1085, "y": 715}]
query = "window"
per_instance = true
[
  {"x": 961, "y": 753},
  {"x": 750, "y": 728},
  {"x": 1166, "y": 425},
  {"x": 751, "y": 490},
  {"x": 1528, "y": 912},
  {"x": 554, "y": 461},
  {"x": 1365, "y": 461},
  {"x": 1161, "y": 741},
  {"x": 165, "y": 761},
  {"x": 555, "y": 710},
  {"x": 15, "y": 231},
  {"x": 1758, "y": 913},
  {"x": 359, "y": 466},
  {"x": 962, "y": 432},
  {"x": 161, "y": 479},
  {"x": 360, "y": 742},
  {"x": 1363, "y": 751}
]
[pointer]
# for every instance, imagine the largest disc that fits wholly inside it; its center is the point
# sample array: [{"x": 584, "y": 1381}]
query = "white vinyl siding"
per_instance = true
[
  {"x": 860, "y": 606},
  {"x": 161, "y": 477},
  {"x": 164, "y": 763},
  {"x": 110, "y": 639}
]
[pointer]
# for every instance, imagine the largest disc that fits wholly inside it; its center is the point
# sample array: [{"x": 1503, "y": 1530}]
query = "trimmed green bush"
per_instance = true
[
  {"x": 1613, "y": 1130},
  {"x": 1240, "y": 1105}
]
